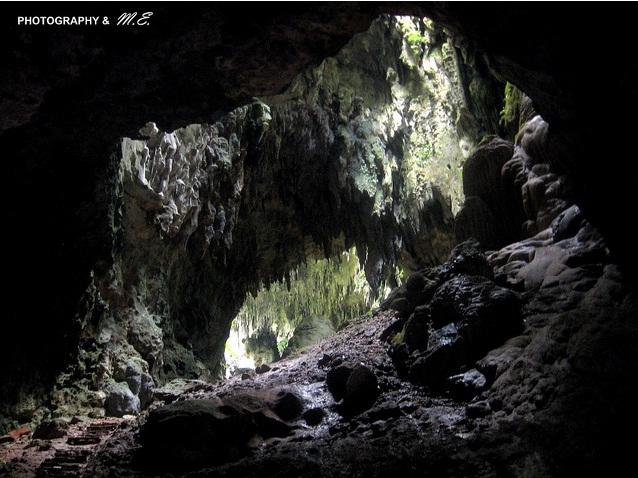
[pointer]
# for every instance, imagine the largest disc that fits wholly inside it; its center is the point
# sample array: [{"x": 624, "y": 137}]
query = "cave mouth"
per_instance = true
[
  {"x": 354, "y": 171},
  {"x": 314, "y": 301},
  {"x": 360, "y": 157}
]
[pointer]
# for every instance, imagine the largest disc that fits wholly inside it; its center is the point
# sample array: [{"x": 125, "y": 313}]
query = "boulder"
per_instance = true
[
  {"x": 314, "y": 416},
  {"x": 415, "y": 331},
  {"x": 443, "y": 358},
  {"x": 120, "y": 400},
  {"x": 465, "y": 386},
  {"x": 486, "y": 313},
  {"x": 288, "y": 405},
  {"x": 467, "y": 258},
  {"x": 263, "y": 368},
  {"x": 194, "y": 433},
  {"x": 336, "y": 380},
  {"x": 311, "y": 330},
  {"x": 191, "y": 434},
  {"x": 50, "y": 429},
  {"x": 362, "y": 390},
  {"x": 482, "y": 172},
  {"x": 475, "y": 220},
  {"x": 491, "y": 212}
]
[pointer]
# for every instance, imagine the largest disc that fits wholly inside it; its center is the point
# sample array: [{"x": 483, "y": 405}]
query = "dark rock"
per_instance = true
[
  {"x": 458, "y": 297},
  {"x": 263, "y": 368},
  {"x": 475, "y": 220},
  {"x": 336, "y": 380},
  {"x": 120, "y": 400},
  {"x": 482, "y": 172},
  {"x": 53, "y": 428},
  {"x": 441, "y": 361},
  {"x": 467, "y": 385},
  {"x": 415, "y": 332},
  {"x": 499, "y": 359},
  {"x": 391, "y": 330},
  {"x": 314, "y": 416},
  {"x": 401, "y": 358},
  {"x": 362, "y": 390},
  {"x": 487, "y": 314},
  {"x": 191, "y": 434},
  {"x": 288, "y": 405},
  {"x": 402, "y": 305},
  {"x": 492, "y": 324},
  {"x": 478, "y": 409},
  {"x": 467, "y": 258},
  {"x": 147, "y": 385},
  {"x": 415, "y": 284},
  {"x": 325, "y": 360},
  {"x": 513, "y": 171},
  {"x": 491, "y": 213}
]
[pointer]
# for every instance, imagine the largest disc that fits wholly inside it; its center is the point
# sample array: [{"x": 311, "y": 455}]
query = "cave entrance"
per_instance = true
[
  {"x": 312, "y": 302},
  {"x": 228, "y": 224},
  {"x": 359, "y": 161}
]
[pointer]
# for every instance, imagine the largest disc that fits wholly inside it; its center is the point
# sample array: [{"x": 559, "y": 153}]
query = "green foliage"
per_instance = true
[
  {"x": 511, "y": 103},
  {"x": 282, "y": 344},
  {"x": 424, "y": 152},
  {"x": 334, "y": 289},
  {"x": 416, "y": 40}
]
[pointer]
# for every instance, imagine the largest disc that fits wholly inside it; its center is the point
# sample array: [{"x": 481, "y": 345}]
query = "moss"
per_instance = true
[
  {"x": 416, "y": 40},
  {"x": 399, "y": 338},
  {"x": 425, "y": 152},
  {"x": 511, "y": 105},
  {"x": 282, "y": 344}
]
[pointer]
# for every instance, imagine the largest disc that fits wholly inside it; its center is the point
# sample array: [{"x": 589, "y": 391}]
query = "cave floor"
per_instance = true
[{"x": 404, "y": 423}]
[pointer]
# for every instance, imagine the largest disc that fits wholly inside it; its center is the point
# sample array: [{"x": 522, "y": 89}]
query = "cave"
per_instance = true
[{"x": 337, "y": 239}]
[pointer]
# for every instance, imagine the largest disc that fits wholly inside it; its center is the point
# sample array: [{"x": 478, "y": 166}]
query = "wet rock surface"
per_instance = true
[{"x": 453, "y": 318}]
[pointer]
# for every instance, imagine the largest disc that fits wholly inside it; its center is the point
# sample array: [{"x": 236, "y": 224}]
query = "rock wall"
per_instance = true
[{"x": 534, "y": 335}]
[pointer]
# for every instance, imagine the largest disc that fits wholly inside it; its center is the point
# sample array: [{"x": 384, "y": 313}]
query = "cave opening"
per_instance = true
[
  {"x": 357, "y": 165},
  {"x": 313, "y": 302}
]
